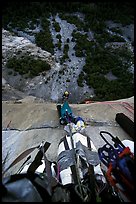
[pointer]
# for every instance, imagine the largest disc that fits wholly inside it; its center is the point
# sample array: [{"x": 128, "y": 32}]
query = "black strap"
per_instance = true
[
  {"x": 20, "y": 169},
  {"x": 126, "y": 123},
  {"x": 73, "y": 166},
  {"x": 92, "y": 182},
  {"x": 20, "y": 157},
  {"x": 74, "y": 176},
  {"x": 37, "y": 161},
  {"x": 65, "y": 142},
  {"x": 88, "y": 142}
]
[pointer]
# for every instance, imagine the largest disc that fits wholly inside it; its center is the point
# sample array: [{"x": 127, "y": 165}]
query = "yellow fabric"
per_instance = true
[
  {"x": 66, "y": 93},
  {"x": 79, "y": 126}
]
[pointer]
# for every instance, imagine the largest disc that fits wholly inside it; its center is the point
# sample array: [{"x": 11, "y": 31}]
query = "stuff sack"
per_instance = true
[{"x": 24, "y": 188}]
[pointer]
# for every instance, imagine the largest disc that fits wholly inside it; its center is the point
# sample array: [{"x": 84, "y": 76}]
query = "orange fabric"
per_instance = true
[{"x": 126, "y": 151}]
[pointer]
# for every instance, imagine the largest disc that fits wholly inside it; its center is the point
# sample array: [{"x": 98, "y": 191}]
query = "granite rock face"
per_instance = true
[
  {"x": 13, "y": 45},
  {"x": 49, "y": 87},
  {"x": 17, "y": 46}
]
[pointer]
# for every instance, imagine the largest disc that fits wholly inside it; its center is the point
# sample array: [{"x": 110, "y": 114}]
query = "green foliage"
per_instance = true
[
  {"x": 73, "y": 20},
  {"x": 116, "y": 30},
  {"x": 99, "y": 60},
  {"x": 10, "y": 72},
  {"x": 58, "y": 36},
  {"x": 56, "y": 26},
  {"x": 67, "y": 40},
  {"x": 116, "y": 11},
  {"x": 43, "y": 39},
  {"x": 106, "y": 37},
  {"x": 65, "y": 55},
  {"x": 83, "y": 45},
  {"x": 80, "y": 79},
  {"x": 67, "y": 80},
  {"x": 116, "y": 38},
  {"x": 95, "y": 13},
  {"x": 28, "y": 65},
  {"x": 59, "y": 45}
]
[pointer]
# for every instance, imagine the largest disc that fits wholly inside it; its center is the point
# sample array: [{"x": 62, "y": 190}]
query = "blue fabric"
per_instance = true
[
  {"x": 78, "y": 119},
  {"x": 65, "y": 108}
]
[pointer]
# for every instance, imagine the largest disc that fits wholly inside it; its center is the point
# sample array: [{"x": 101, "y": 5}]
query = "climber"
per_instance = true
[{"x": 65, "y": 95}]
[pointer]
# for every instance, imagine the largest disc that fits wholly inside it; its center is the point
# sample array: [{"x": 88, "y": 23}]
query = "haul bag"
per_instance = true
[{"x": 125, "y": 123}]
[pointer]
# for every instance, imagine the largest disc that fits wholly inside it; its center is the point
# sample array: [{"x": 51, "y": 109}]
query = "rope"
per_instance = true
[
  {"x": 120, "y": 103},
  {"x": 31, "y": 128},
  {"x": 85, "y": 189}
]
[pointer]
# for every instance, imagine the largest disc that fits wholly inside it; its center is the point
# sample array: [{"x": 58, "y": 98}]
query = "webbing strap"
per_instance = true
[
  {"x": 88, "y": 142},
  {"x": 126, "y": 151},
  {"x": 37, "y": 161},
  {"x": 73, "y": 169},
  {"x": 92, "y": 182},
  {"x": 66, "y": 143},
  {"x": 73, "y": 166},
  {"x": 20, "y": 157},
  {"x": 24, "y": 154},
  {"x": 67, "y": 146}
]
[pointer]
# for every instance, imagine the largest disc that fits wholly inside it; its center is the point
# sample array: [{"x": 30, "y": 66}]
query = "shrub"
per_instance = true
[
  {"x": 58, "y": 36},
  {"x": 56, "y": 26},
  {"x": 44, "y": 40},
  {"x": 28, "y": 65}
]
